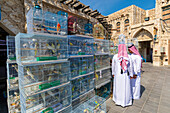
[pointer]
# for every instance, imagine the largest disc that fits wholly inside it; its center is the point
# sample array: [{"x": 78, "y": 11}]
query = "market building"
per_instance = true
[{"x": 149, "y": 27}]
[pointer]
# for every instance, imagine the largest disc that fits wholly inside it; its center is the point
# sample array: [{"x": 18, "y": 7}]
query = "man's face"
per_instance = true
[{"x": 130, "y": 51}]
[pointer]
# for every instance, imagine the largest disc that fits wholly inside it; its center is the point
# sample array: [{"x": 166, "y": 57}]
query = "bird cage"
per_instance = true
[
  {"x": 101, "y": 46},
  {"x": 51, "y": 100},
  {"x": 94, "y": 105},
  {"x": 36, "y": 77},
  {"x": 62, "y": 24},
  {"x": 111, "y": 47},
  {"x": 104, "y": 91},
  {"x": 82, "y": 85},
  {"x": 13, "y": 87},
  {"x": 11, "y": 55},
  {"x": 83, "y": 98},
  {"x": 101, "y": 61},
  {"x": 102, "y": 77},
  {"x": 88, "y": 29},
  {"x": 81, "y": 65},
  {"x": 34, "y": 47},
  {"x": 80, "y": 45}
]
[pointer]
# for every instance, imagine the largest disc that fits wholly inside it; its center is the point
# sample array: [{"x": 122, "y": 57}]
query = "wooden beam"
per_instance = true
[
  {"x": 87, "y": 11},
  {"x": 80, "y": 6},
  {"x": 62, "y": 1},
  {"x": 74, "y": 3},
  {"x": 92, "y": 11},
  {"x": 85, "y": 8},
  {"x": 69, "y": 2}
]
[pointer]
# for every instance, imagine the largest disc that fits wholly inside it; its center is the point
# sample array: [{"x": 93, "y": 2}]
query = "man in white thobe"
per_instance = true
[
  {"x": 137, "y": 64},
  {"x": 121, "y": 71}
]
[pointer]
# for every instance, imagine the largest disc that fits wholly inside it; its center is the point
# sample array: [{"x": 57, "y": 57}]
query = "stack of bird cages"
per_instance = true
[
  {"x": 44, "y": 85},
  {"x": 94, "y": 105},
  {"x": 34, "y": 47},
  {"x": 82, "y": 85},
  {"x": 12, "y": 77},
  {"x": 81, "y": 45},
  {"x": 11, "y": 55},
  {"x": 81, "y": 66},
  {"x": 101, "y": 46}
]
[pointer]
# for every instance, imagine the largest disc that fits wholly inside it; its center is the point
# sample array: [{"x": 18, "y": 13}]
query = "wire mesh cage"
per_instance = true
[
  {"x": 14, "y": 101},
  {"x": 112, "y": 48},
  {"x": 83, "y": 98},
  {"x": 35, "y": 20},
  {"x": 46, "y": 22},
  {"x": 81, "y": 65},
  {"x": 11, "y": 55},
  {"x": 104, "y": 91},
  {"x": 102, "y": 61},
  {"x": 82, "y": 85},
  {"x": 34, "y": 47},
  {"x": 94, "y": 105},
  {"x": 80, "y": 45},
  {"x": 88, "y": 29},
  {"x": 72, "y": 25},
  {"x": 35, "y": 78},
  {"x": 102, "y": 77},
  {"x": 101, "y": 46},
  {"x": 12, "y": 75},
  {"x": 52, "y": 100}
]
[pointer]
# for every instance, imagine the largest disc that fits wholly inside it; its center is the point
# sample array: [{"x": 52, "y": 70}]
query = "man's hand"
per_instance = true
[
  {"x": 134, "y": 76},
  {"x": 113, "y": 76}
]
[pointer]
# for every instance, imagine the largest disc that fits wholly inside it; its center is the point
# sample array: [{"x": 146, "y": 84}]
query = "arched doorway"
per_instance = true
[{"x": 145, "y": 44}]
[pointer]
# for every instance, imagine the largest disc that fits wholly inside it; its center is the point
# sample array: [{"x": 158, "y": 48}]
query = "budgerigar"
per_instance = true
[
  {"x": 52, "y": 47},
  {"x": 30, "y": 74}
]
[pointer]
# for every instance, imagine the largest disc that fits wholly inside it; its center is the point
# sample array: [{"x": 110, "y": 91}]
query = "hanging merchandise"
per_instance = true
[
  {"x": 98, "y": 31},
  {"x": 72, "y": 25},
  {"x": 88, "y": 29}
]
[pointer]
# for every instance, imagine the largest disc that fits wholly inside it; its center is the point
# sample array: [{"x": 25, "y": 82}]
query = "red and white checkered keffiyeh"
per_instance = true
[{"x": 123, "y": 56}]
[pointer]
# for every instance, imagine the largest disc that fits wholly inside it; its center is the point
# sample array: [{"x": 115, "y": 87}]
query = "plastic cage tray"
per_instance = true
[
  {"x": 50, "y": 101},
  {"x": 10, "y": 40},
  {"x": 101, "y": 61},
  {"x": 81, "y": 65},
  {"x": 12, "y": 75},
  {"x": 94, "y": 105},
  {"x": 35, "y": 78},
  {"x": 34, "y": 47},
  {"x": 101, "y": 46},
  {"x": 82, "y": 85},
  {"x": 80, "y": 45}
]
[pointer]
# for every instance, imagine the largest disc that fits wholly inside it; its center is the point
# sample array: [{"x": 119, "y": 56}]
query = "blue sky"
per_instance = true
[{"x": 106, "y": 7}]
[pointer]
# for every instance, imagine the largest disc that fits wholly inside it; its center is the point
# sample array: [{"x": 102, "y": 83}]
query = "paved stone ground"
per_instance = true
[{"x": 155, "y": 93}]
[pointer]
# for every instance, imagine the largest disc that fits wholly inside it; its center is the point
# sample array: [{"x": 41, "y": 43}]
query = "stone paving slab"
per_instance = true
[{"x": 155, "y": 93}]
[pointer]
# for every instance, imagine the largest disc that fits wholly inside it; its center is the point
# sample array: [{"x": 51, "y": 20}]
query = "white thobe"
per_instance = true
[
  {"x": 135, "y": 83},
  {"x": 121, "y": 90}
]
